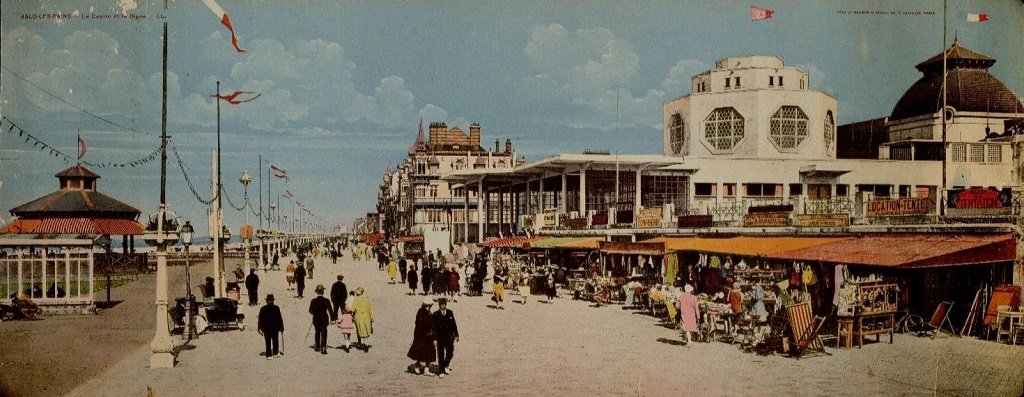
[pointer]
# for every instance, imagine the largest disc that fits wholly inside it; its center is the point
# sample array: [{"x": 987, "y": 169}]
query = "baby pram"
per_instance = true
[
  {"x": 476, "y": 284},
  {"x": 224, "y": 314}
]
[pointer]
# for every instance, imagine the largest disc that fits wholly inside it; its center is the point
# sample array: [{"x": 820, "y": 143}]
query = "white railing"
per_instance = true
[{"x": 64, "y": 279}]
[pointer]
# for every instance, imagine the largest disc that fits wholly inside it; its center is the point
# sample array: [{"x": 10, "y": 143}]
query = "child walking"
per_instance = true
[{"x": 347, "y": 325}]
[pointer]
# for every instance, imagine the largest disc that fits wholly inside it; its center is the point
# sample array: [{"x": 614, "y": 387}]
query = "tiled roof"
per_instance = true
[
  {"x": 77, "y": 170},
  {"x": 957, "y": 56},
  {"x": 970, "y": 90},
  {"x": 83, "y": 203},
  {"x": 120, "y": 227}
]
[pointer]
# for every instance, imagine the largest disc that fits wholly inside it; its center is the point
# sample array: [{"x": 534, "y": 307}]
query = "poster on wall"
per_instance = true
[{"x": 979, "y": 202}]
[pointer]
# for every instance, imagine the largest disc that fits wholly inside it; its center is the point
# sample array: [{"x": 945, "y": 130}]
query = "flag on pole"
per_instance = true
[
  {"x": 81, "y": 147},
  {"x": 278, "y": 170},
  {"x": 288, "y": 194},
  {"x": 224, "y": 20},
  {"x": 977, "y": 17},
  {"x": 760, "y": 14},
  {"x": 282, "y": 176},
  {"x": 232, "y": 98}
]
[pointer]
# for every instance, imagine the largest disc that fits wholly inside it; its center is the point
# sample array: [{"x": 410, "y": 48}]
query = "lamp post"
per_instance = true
[
  {"x": 246, "y": 237},
  {"x": 273, "y": 218},
  {"x": 186, "y": 235}
]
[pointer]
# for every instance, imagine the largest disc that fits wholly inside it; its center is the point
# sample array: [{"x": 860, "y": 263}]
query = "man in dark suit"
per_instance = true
[
  {"x": 269, "y": 324},
  {"x": 300, "y": 279},
  {"x": 446, "y": 332},
  {"x": 252, "y": 287},
  {"x": 339, "y": 294},
  {"x": 320, "y": 308}
]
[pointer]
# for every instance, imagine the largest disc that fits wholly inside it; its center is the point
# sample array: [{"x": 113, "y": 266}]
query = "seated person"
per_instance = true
[
  {"x": 208, "y": 289},
  {"x": 55, "y": 291}
]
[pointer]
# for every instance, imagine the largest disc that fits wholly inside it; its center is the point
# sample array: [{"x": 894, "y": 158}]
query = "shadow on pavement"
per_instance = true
[
  {"x": 107, "y": 305},
  {"x": 672, "y": 342}
]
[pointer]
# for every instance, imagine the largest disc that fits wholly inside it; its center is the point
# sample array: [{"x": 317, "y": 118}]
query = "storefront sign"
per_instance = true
[
  {"x": 599, "y": 219},
  {"x": 758, "y": 209},
  {"x": 900, "y": 207},
  {"x": 648, "y": 218},
  {"x": 628, "y": 248},
  {"x": 574, "y": 223},
  {"x": 550, "y": 217},
  {"x": 979, "y": 201},
  {"x": 766, "y": 219},
  {"x": 822, "y": 220},
  {"x": 695, "y": 221}
]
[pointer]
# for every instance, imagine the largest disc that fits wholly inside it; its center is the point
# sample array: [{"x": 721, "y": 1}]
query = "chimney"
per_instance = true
[
  {"x": 474, "y": 134},
  {"x": 437, "y": 130},
  {"x": 508, "y": 146}
]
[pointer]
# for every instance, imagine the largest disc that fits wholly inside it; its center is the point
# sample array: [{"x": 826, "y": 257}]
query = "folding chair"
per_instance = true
[
  {"x": 939, "y": 319},
  {"x": 805, "y": 328}
]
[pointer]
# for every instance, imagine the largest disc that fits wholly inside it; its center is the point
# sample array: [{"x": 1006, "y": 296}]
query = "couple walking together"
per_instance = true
[{"x": 439, "y": 327}]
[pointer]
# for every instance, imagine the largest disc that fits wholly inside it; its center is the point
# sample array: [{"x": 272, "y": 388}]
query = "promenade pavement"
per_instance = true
[{"x": 564, "y": 348}]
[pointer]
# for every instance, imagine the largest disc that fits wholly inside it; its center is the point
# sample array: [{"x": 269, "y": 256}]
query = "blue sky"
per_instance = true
[{"x": 344, "y": 84}]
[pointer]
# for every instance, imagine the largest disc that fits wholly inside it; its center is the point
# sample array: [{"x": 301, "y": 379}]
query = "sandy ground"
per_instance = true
[{"x": 563, "y": 348}]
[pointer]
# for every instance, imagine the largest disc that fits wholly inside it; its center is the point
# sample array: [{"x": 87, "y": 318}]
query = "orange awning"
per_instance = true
[
  {"x": 911, "y": 250},
  {"x": 742, "y": 245},
  {"x": 590, "y": 243}
]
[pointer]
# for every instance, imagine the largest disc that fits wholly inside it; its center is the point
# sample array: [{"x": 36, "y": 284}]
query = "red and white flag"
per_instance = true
[
  {"x": 81, "y": 147},
  {"x": 213, "y": 6},
  {"x": 282, "y": 176},
  {"x": 232, "y": 98},
  {"x": 977, "y": 17},
  {"x": 288, "y": 194},
  {"x": 278, "y": 170},
  {"x": 760, "y": 14}
]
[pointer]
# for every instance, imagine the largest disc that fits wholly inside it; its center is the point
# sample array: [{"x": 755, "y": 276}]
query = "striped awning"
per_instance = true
[
  {"x": 507, "y": 242},
  {"x": 120, "y": 227}
]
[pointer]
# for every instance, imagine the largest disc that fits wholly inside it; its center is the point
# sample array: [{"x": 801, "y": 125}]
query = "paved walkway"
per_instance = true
[{"x": 563, "y": 348}]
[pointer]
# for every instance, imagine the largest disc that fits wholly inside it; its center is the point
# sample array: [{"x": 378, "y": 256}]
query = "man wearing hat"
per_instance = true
[
  {"x": 446, "y": 332},
  {"x": 339, "y": 294},
  {"x": 269, "y": 324},
  {"x": 320, "y": 308}
]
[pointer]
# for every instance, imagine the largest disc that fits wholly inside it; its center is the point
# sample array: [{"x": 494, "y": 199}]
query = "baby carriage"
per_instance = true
[{"x": 224, "y": 314}]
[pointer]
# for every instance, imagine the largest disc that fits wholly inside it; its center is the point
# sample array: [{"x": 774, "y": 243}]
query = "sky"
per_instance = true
[{"x": 344, "y": 84}]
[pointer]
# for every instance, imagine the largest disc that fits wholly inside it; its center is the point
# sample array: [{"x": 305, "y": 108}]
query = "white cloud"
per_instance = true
[
  {"x": 817, "y": 76},
  {"x": 584, "y": 77},
  {"x": 679, "y": 77}
]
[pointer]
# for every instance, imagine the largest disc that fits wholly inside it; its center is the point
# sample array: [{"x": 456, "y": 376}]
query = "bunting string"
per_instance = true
[
  {"x": 188, "y": 180},
  {"x": 51, "y": 151}
]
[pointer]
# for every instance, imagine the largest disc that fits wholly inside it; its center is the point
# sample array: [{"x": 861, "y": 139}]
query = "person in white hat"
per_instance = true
[{"x": 422, "y": 349}]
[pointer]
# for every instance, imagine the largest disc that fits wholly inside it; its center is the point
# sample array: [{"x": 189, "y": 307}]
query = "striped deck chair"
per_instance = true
[{"x": 805, "y": 327}]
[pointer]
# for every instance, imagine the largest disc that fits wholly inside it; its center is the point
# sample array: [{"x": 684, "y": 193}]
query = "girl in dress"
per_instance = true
[{"x": 347, "y": 325}]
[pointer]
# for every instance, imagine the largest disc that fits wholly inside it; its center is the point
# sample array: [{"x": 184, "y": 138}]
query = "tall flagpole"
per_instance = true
[
  {"x": 259, "y": 192},
  {"x": 218, "y": 244},
  {"x": 162, "y": 346},
  {"x": 942, "y": 113}
]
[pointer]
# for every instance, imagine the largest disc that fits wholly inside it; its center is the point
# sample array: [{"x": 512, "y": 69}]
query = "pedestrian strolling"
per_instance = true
[
  {"x": 412, "y": 278},
  {"x": 440, "y": 281},
  {"x": 402, "y": 268},
  {"x": 289, "y": 274},
  {"x": 363, "y": 317},
  {"x": 347, "y": 325},
  {"x": 392, "y": 271},
  {"x": 446, "y": 333},
  {"x": 498, "y": 288},
  {"x": 551, "y": 289},
  {"x": 339, "y": 295},
  {"x": 422, "y": 349},
  {"x": 320, "y": 308},
  {"x": 252, "y": 287},
  {"x": 300, "y": 279},
  {"x": 524, "y": 286},
  {"x": 425, "y": 278},
  {"x": 453, "y": 283},
  {"x": 688, "y": 312},
  {"x": 270, "y": 324}
]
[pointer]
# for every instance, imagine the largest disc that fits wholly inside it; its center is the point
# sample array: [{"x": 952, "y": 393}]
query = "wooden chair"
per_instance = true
[
  {"x": 940, "y": 319},
  {"x": 805, "y": 328}
]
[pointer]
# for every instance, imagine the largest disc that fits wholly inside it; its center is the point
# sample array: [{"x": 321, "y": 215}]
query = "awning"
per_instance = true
[
  {"x": 555, "y": 242},
  {"x": 910, "y": 250},
  {"x": 589, "y": 243},
  {"x": 119, "y": 227},
  {"x": 627, "y": 248},
  {"x": 507, "y": 242},
  {"x": 15, "y": 240},
  {"x": 742, "y": 245},
  {"x": 408, "y": 239}
]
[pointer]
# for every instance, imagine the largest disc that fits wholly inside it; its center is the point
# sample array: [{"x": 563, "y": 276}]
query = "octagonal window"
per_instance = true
[
  {"x": 788, "y": 127},
  {"x": 723, "y": 128}
]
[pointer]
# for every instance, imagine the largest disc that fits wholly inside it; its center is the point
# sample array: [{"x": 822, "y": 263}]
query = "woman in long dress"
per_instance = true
[
  {"x": 412, "y": 278},
  {"x": 499, "y": 288},
  {"x": 688, "y": 311},
  {"x": 422, "y": 349},
  {"x": 392, "y": 271},
  {"x": 364, "y": 316}
]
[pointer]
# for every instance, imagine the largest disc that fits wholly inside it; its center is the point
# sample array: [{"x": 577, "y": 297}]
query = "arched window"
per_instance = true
[
  {"x": 830, "y": 131},
  {"x": 788, "y": 128},
  {"x": 677, "y": 134},
  {"x": 723, "y": 128}
]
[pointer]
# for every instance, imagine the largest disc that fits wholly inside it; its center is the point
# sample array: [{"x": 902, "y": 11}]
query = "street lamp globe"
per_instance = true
[
  {"x": 245, "y": 178},
  {"x": 187, "y": 233}
]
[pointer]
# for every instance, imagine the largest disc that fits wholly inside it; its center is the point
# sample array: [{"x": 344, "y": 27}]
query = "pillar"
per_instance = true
[
  {"x": 583, "y": 194},
  {"x": 563, "y": 201},
  {"x": 480, "y": 216}
]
